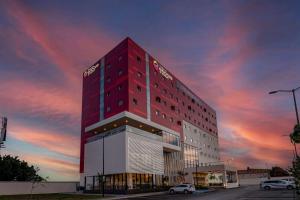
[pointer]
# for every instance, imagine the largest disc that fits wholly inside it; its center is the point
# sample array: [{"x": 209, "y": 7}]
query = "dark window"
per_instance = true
[
  {"x": 156, "y": 85},
  {"x": 120, "y": 72},
  {"x": 171, "y": 119},
  {"x": 120, "y": 87},
  {"x": 206, "y": 119},
  {"x": 139, "y": 88},
  {"x": 108, "y": 94},
  {"x": 172, "y": 107},
  {"x": 193, "y": 100},
  {"x": 157, "y": 112},
  {"x": 157, "y": 99},
  {"x": 179, "y": 123},
  {"x": 134, "y": 101},
  {"x": 138, "y": 59},
  {"x": 204, "y": 109},
  {"x": 120, "y": 102},
  {"x": 139, "y": 74},
  {"x": 189, "y": 107}
]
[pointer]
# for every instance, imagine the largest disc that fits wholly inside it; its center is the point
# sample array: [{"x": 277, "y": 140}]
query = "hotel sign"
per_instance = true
[
  {"x": 91, "y": 70},
  {"x": 162, "y": 70}
]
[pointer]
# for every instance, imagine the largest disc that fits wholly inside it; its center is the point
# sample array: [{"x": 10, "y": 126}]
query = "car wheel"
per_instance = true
[
  {"x": 172, "y": 192},
  {"x": 267, "y": 187},
  {"x": 185, "y": 191},
  {"x": 290, "y": 187}
]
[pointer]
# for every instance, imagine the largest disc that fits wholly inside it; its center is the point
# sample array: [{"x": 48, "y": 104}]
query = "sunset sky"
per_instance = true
[{"x": 230, "y": 53}]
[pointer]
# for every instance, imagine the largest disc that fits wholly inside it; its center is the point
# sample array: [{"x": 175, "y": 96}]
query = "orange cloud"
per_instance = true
[{"x": 59, "y": 142}]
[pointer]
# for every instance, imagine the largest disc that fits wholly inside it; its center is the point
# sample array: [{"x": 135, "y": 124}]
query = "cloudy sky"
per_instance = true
[{"x": 231, "y": 53}]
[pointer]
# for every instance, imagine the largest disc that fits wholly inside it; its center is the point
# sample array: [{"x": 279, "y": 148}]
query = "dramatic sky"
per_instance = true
[{"x": 231, "y": 53}]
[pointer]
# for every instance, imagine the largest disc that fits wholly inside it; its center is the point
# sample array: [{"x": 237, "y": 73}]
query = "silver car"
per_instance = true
[
  {"x": 182, "y": 188},
  {"x": 277, "y": 184}
]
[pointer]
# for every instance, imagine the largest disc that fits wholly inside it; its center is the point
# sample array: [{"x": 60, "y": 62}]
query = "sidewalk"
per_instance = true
[
  {"x": 114, "y": 197},
  {"x": 125, "y": 196}
]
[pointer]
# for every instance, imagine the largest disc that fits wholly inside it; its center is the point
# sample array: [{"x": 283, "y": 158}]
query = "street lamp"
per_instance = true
[
  {"x": 296, "y": 109},
  {"x": 294, "y": 97}
]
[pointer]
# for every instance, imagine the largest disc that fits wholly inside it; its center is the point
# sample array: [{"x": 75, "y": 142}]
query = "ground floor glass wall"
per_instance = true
[{"x": 124, "y": 183}]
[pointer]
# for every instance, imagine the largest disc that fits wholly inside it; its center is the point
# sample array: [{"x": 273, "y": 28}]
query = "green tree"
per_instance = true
[
  {"x": 13, "y": 169},
  {"x": 295, "y": 135}
]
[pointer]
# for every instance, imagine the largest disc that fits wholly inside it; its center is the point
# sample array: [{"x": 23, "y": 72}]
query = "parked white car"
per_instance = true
[
  {"x": 182, "y": 188},
  {"x": 277, "y": 184}
]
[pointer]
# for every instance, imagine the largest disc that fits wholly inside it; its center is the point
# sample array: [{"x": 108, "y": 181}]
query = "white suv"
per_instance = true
[
  {"x": 277, "y": 184},
  {"x": 182, "y": 188}
]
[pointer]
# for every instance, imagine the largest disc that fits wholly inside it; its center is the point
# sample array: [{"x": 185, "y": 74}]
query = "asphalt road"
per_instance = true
[{"x": 243, "y": 193}]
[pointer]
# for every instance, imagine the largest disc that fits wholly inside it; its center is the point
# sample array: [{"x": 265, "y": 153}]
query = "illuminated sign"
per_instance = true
[
  {"x": 162, "y": 70},
  {"x": 91, "y": 70}
]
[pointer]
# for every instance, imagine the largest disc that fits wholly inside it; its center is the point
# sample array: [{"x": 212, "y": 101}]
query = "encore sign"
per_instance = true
[
  {"x": 162, "y": 70},
  {"x": 91, "y": 70}
]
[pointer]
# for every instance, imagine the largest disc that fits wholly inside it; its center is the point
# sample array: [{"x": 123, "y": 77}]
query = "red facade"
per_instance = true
[{"x": 125, "y": 89}]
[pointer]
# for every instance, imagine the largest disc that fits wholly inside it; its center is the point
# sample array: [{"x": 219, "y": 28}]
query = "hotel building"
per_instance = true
[{"x": 141, "y": 124}]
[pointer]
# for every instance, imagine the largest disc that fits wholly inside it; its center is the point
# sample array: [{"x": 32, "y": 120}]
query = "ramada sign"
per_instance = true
[
  {"x": 157, "y": 67},
  {"x": 162, "y": 70},
  {"x": 90, "y": 70}
]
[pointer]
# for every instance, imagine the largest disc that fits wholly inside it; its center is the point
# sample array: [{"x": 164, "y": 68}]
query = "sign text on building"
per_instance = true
[
  {"x": 90, "y": 70},
  {"x": 162, "y": 70}
]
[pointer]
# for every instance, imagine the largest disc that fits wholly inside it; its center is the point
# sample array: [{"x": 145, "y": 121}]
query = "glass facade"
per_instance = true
[
  {"x": 124, "y": 183},
  {"x": 171, "y": 139},
  {"x": 191, "y": 155}
]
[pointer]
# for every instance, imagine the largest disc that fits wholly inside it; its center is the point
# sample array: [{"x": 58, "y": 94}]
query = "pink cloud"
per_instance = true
[{"x": 58, "y": 142}]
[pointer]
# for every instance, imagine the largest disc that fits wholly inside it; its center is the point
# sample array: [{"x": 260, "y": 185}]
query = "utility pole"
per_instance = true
[{"x": 296, "y": 110}]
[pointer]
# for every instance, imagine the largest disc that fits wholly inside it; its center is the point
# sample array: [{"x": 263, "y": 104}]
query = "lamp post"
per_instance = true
[{"x": 296, "y": 109}]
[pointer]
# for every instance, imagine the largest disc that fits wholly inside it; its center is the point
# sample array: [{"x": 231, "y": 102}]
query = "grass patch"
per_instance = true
[{"x": 51, "y": 197}]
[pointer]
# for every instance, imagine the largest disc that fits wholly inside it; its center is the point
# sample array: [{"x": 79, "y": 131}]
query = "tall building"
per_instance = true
[{"x": 152, "y": 126}]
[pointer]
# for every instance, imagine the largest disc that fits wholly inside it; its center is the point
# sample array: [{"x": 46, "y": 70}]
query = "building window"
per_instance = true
[
  {"x": 204, "y": 109},
  {"x": 120, "y": 87},
  {"x": 108, "y": 66},
  {"x": 189, "y": 107},
  {"x": 156, "y": 85},
  {"x": 108, "y": 94},
  {"x": 164, "y": 116},
  {"x": 157, "y": 112},
  {"x": 157, "y": 99},
  {"x": 108, "y": 79},
  {"x": 138, "y": 59},
  {"x": 165, "y": 103},
  {"x": 108, "y": 109},
  {"x": 179, "y": 123},
  {"x": 173, "y": 108},
  {"x": 120, "y": 102},
  {"x": 120, "y": 72},
  {"x": 165, "y": 91},
  {"x": 138, "y": 88},
  {"x": 139, "y": 74},
  {"x": 171, "y": 119},
  {"x": 134, "y": 101},
  {"x": 120, "y": 58}
]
